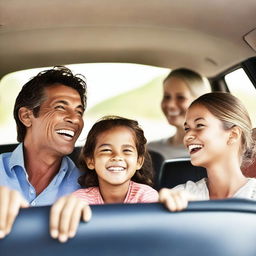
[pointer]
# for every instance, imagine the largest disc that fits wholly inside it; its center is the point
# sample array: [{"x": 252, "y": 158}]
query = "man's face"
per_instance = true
[{"x": 59, "y": 123}]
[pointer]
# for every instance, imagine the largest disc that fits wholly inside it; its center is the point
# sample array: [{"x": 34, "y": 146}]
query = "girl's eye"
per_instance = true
[
  {"x": 106, "y": 150},
  {"x": 128, "y": 151}
]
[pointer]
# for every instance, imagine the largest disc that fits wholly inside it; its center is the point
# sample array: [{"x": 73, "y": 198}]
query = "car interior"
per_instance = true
[{"x": 214, "y": 38}]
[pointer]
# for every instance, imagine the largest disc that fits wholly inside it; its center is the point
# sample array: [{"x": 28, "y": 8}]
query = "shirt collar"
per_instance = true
[{"x": 17, "y": 157}]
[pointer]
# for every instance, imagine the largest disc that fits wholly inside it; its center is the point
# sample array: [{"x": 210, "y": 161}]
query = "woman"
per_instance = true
[
  {"x": 218, "y": 136},
  {"x": 180, "y": 88}
]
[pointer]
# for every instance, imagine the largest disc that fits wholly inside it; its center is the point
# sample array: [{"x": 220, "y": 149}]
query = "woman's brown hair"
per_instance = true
[{"x": 231, "y": 112}]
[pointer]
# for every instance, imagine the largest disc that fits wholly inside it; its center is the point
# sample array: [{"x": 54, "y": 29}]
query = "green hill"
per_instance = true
[{"x": 142, "y": 102}]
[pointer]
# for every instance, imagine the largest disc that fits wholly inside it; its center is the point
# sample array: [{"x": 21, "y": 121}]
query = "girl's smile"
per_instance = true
[{"x": 115, "y": 158}]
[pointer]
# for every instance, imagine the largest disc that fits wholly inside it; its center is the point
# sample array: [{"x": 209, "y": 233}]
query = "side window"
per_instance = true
[
  {"x": 240, "y": 85},
  {"x": 113, "y": 89}
]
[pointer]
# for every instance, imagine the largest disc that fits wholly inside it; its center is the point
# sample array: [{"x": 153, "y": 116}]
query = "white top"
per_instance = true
[
  {"x": 200, "y": 189},
  {"x": 167, "y": 150}
]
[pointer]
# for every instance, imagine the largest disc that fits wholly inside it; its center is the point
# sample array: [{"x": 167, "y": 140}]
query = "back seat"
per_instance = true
[{"x": 179, "y": 171}]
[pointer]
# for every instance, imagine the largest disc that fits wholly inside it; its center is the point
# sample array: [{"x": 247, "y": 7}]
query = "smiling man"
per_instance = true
[{"x": 49, "y": 116}]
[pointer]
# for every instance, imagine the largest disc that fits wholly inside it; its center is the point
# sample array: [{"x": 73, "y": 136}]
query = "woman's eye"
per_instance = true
[
  {"x": 181, "y": 98},
  {"x": 166, "y": 97},
  {"x": 186, "y": 129},
  {"x": 199, "y": 125}
]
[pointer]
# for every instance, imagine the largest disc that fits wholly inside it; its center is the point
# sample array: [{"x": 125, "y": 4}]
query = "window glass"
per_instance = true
[
  {"x": 240, "y": 85},
  {"x": 129, "y": 90}
]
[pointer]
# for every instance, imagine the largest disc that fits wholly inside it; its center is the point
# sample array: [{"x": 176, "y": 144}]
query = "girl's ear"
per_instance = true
[
  {"x": 25, "y": 116},
  {"x": 235, "y": 135},
  {"x": 140, "y": 162},
  {"x": 90, "y": 163}
]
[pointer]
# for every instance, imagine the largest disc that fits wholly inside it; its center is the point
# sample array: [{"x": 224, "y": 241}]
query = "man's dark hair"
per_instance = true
[{"x": 32, "y": 93}]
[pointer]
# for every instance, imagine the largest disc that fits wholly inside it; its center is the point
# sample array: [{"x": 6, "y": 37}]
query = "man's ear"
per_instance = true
[
  {"x": 90, "y": 163},
  {"x": 235, "y": 135},
  {"x": 25, "y": 115},
  {"x": 140, "y": 162}
]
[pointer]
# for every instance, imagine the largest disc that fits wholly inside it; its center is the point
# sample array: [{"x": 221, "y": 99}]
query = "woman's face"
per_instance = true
[
  {"x": 205, "y": 137},
  {"x": 176, "y": 100}
]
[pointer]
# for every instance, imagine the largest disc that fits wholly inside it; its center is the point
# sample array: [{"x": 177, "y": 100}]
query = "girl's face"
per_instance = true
[
  {"x": 205, "y": 137},
  {"x": 115, "y": 158},
  {"x": 176, "y": 100}
]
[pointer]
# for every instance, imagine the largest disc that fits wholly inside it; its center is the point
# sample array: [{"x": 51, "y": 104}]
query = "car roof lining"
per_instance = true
[{"x": 160, "y": 33}]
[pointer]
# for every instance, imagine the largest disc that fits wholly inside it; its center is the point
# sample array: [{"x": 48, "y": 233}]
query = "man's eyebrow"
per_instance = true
[{"x": 66, "y": 103}]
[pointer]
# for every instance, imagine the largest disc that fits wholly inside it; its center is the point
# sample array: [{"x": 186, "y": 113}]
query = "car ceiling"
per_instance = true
[{"x": 204, "y": 35}]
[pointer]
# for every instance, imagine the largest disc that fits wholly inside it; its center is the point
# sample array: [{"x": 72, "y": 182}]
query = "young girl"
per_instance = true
[
  {"x": 218, "y": 136},
  {"x": 117, "y": 167}
]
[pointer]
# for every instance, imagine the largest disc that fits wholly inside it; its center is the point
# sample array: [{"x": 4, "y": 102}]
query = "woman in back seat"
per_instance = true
[
  {"x": 218, "y": 136},
  {"x": 180, "y": 88}
]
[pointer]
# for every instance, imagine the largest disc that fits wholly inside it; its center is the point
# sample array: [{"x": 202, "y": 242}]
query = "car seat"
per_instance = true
[{"x": 179, "y": 171}]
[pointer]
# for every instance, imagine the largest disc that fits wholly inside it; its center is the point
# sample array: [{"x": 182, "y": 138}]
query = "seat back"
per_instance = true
[
  {"x": 179, "y": 171},
  {"x": 8, "y": 147},
  {"x": 205, "y": 228},
  {"x": 157, "y": 161},
  {"x": 75, "y": 154}
]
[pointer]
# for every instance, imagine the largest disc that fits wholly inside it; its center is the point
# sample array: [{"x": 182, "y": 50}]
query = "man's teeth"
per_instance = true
[
  {"x": 116, "y": 169},
  {"x": 66, "y": 132},
  {"x": 194, "y": 146}
]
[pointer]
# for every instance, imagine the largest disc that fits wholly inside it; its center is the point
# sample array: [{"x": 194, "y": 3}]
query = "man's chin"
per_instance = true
[{"x": 65, "y": 151}]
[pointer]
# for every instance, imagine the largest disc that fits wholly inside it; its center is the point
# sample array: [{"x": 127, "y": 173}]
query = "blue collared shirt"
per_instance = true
[{"x": 13, "y": 175}]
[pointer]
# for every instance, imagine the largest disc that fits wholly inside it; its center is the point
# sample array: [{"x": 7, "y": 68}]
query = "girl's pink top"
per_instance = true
[{"x": 137, "y": 193}]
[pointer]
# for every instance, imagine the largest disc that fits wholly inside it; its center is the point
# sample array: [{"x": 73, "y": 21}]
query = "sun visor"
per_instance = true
[{"x": 250, "y": 39}]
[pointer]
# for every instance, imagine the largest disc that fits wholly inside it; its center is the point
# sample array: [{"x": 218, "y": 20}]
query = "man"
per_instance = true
[{"x": 49, "y": 115}]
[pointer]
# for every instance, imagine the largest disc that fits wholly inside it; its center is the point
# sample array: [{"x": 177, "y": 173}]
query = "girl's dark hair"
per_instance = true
[
  {"x": 32, "y": 93},
  {"x": 90, "y": 178}
]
